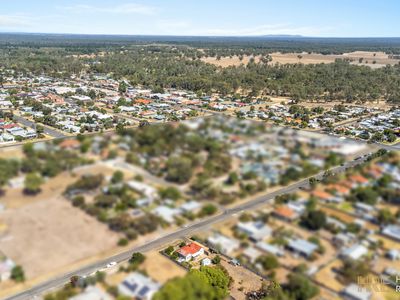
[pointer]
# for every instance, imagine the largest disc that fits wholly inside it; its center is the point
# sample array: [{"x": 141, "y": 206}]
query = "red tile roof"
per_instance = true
[
  {"x": 285, "y": 212},
  {"x": 192, "y": 248},
  {"x": 358, "y": 179},
  {"x": 321, "y": 194}
]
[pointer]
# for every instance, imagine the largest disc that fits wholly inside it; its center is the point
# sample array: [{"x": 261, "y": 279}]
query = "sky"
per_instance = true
[{"x": 319, "y": 18}]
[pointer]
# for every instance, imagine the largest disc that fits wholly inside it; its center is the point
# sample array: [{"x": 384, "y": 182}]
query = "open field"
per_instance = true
[
  {"x": 55, "y": 233},
  {"x": 368, "y": 58},
  {"x": 228, "y": 61}
]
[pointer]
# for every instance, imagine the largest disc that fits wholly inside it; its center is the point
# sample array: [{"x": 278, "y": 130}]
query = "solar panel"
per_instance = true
[
  {"x": 144, "y": 291},
  {"x": 131, "y": 287}
]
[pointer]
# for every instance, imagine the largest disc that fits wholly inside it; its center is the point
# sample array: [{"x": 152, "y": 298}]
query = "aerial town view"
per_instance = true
[{"x": 199, "y": 150}]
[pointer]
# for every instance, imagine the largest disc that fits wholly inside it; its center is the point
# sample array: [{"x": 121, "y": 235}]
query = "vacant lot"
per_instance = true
[
  {"x": 244, "y": 280},
  {"x": 46, "y": 236},
  {"x": 161, "y": 268},
  {"x": 371, "y": 59},
  {"x": 327, "y": 277}
]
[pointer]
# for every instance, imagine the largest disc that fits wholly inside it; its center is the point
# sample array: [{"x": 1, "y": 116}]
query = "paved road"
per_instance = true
[
  {"x": 182, "y": 232},
  {"x": 47, "y": 130}
]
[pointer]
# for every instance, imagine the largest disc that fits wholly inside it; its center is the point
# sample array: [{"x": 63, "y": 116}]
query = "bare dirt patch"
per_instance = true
[
  {"x": 244, "y": 280},
  {"x": 161, "y": 268},
  {"x": 371, "y": 59},
  {"x": 225, "y": 62},
  {"x": 46, "y": 236}
]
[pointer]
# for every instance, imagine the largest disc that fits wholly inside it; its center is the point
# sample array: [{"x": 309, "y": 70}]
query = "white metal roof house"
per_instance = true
[
  {"x": 166, "y": 213},
  {"x": 224, "y": 244},
  {"x": 355, "y": 252},
  {"x": 302, "y": 247},
  {"x": 392, "y": 231},
  {"x": 256, "y": 231}
]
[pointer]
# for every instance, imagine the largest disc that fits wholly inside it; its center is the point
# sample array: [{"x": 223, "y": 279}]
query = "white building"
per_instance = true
[{"x": 224, "y": 244}]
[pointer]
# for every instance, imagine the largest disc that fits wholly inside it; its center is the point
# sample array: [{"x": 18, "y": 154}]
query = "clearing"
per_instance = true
[
  {"x": 56, "y": 235},
  {"x": 365, "y": 58}
]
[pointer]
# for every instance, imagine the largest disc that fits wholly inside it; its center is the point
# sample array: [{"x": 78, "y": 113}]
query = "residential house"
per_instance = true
[
  {"x": 190, "y": 251},
  {"x": 269, "y": 248},
  {"x": 166, "y": 213},
  {"x": 138, "y": 286},
  {"x": 251, "y": 254},
  {"x": 355, "y": 252},
  {"x": 302, "y": 247},
  {"x": 285, "y": 213},
  {"x": 358, "y": 180},
  {"x": 143, "y": 188},
  {"x": 190, "y": 207},
  {"x": 222, "y": 243},
  {"x": 343, "y": 239},
  {"x": 256, "y": 231},
  {"x": 392, "y": 231},
  {"x": 326, "y": 197}
]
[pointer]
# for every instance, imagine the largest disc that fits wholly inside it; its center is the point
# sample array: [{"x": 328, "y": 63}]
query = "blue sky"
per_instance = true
[{"x": 338, "y": 18}]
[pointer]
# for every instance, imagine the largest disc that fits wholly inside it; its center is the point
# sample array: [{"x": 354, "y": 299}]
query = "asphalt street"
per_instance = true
[{"x": 187, "y": 231}]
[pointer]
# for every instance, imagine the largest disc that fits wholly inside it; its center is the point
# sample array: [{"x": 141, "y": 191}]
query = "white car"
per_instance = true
[{"x": 111, "y": 264}]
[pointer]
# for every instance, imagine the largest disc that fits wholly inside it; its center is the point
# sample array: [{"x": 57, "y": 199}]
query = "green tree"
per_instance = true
[
  {"x": 137, "y": 259},
  {"x": 33, "y": 183},
  {"x": 314, "y": 220},
  {"x": 233, "y": 178},
  {"x": 208, "y": 210},
  {"x": 352, "y": 269},
  {"x": 117, "y": 177},
  {"x": 268, "y": 262},
  {"x": 18, "y": 274},
  {"x": 364, "y": 194},
  {"x": 122, "y": 87},
  {"x": 207, "y": 283},
  {"x": 299, "y": 287},
  {"x": 385, "y": 216},
  {"x": 179, "y": 169},
  {"x": 170, "y": 192}
]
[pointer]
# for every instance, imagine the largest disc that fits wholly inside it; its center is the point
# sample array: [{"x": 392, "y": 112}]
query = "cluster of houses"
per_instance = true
[
  {"x": 11, "y": 131},
  {"x": 96, "y": 101},
  {"x": 383, "y": 127},
  {"x": 270, "y": 156},
  {"x": 248, "y": 240},
  {"x": 314, "y": 119}
]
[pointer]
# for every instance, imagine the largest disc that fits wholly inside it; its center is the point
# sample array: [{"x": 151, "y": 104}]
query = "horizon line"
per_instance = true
[{"x": 200, "y": 36}]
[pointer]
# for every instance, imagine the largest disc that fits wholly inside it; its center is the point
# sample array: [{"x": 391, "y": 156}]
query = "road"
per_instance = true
[
  {"x": 46, "y": 129},
  {"x": 180, "y": 233}
]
